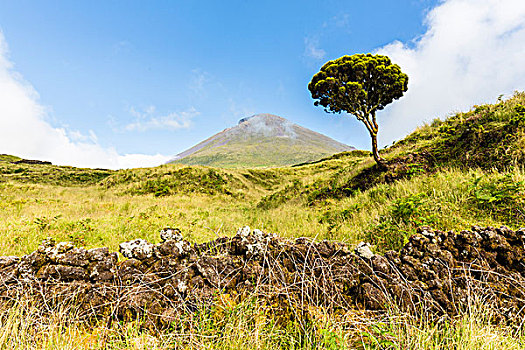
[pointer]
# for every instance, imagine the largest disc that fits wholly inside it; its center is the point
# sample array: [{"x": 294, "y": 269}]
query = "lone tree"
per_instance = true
[{"x": 360, "y": 85}]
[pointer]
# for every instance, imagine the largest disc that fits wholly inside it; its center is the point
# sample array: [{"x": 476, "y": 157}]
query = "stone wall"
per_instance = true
[{"x": 436, "y": 272}]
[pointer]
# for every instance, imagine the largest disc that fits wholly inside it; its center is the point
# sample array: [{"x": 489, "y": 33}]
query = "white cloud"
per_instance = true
[
  {"x": 199, "y": 82},
  {"x": 240, "y": 110},
  {"x": 143, "y": 160},
  {"x": 25, "y": 132},
  {"x": 76, "y": 135},
  {"x": 472, "y": 51},
  {"x": 312, "y": 49},
  {"x": 146, "y": 120},
  {"x": 340, "y": 21}
]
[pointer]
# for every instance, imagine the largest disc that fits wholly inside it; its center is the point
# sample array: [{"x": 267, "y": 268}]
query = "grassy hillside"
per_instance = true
[
  {"x": 450, "y": 174},
  {"x": 15, "y": 169},
  {"x": 253, "y": 152}
]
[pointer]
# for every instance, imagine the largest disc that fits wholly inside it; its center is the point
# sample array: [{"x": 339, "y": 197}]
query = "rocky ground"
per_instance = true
[{"x": 436, "y": 272}]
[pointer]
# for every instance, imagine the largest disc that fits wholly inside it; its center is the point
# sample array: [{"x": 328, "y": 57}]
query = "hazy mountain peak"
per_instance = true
[
  {"x": 263, "y": 116},
  {"x": 267, "y": 125},
  {"x": 261, "y": 140}
]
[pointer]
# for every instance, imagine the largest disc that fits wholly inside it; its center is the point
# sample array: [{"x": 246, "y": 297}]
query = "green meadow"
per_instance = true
[{"x": 449, "y": 174}]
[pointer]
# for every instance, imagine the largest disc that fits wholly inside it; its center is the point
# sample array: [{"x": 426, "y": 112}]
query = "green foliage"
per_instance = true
[
  {"x": 414, "y": 170},
  {"x": 44, "y": 223},
  {"x": 358, "y": 84},
  {"x": 318, "y": 191},
  {"x": 185, "y": 180},
  {"x": 400, "y": 221},
  {"x": 445, "y": 201},
  {"x": 405, "y": 208},
  {"x": 282, "y": 196},
  {"x": 488, "y": 136},
  {"x": 79, "y": 232},
  {"x": 519, "y": 117},
  {"x": 9, "y": 158},
  {"x": 335, "y": 218},
  {"x": 50, "y": 174},
  {"x": 357, "y": 153},
  {"x": 381, "y": 336},
  {"x": 501, "y": 195},
  {"x": 266, "y": 178},
  {"x": 169, "y": 180}
]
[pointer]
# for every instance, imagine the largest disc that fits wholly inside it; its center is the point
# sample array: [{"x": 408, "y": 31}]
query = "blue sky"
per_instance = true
[{"x": 131, "y": 83}]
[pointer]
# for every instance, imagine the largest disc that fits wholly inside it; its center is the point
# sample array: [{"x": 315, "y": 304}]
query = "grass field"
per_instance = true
[{"x": 449, "y": 174}]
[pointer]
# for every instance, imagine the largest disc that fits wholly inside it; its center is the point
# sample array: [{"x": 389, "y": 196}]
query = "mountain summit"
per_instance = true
[{"x": 259, "y": 141}]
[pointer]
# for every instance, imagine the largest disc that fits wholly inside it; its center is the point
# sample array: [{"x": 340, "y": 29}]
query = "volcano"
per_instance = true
[{"x": 261, "y": 140}]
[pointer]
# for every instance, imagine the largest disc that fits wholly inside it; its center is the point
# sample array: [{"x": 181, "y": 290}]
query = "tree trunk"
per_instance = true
[{"x": 380, "y": 161}]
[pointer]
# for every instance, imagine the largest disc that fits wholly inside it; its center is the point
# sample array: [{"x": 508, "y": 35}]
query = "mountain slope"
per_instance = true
[{"x": 259, "y": 141}]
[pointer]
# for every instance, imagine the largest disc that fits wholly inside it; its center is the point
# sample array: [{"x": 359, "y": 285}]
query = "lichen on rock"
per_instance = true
[
  {"x": 136, "y": 249},
  {"x": 167, "y": 234},
  {"x": 363, "y": 250}
]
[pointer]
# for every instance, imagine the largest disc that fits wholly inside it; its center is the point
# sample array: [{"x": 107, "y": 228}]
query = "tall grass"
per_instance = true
[
  {"x": 385, "y": 214},
  {"x": 472, "y": 330},
  {"x": 249, "y": 325}
]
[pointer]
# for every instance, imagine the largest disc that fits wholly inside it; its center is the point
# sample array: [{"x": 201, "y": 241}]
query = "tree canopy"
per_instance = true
[{"x": 360, "y": 84}]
